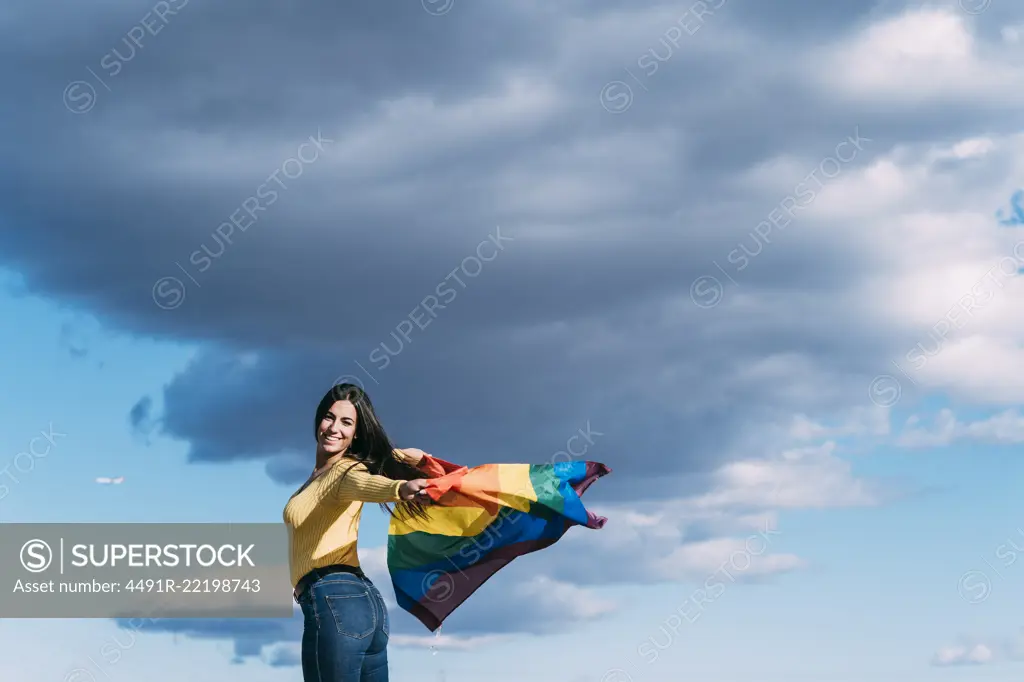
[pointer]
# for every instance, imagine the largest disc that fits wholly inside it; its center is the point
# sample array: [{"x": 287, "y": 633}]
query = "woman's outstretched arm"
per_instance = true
[{"x": 353, "y": 482}]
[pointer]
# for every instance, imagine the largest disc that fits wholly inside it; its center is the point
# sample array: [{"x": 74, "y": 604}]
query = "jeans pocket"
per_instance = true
[{"x": 354, "y": 614}]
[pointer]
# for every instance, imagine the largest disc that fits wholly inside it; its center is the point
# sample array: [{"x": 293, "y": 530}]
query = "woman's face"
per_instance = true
[{"x": 337, "y": 428}]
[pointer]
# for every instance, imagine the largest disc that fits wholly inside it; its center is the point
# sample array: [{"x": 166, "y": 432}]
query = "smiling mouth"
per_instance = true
[{"x": 332, "y": 439}]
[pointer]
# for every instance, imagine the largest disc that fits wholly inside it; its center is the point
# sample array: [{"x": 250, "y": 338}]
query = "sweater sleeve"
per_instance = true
[
  {"x": 354, "y": 483},
  {"x": 412, "y": 460}
]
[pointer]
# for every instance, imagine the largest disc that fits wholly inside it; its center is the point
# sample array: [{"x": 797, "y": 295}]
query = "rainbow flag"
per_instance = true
[{"x": 482, "y": 518}]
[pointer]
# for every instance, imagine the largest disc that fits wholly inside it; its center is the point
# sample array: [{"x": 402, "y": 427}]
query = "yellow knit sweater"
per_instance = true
[{"x": 323, "y": 517}]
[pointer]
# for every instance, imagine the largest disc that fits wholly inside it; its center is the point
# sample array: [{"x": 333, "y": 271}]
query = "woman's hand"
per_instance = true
[{"x": 413, "y": 490}]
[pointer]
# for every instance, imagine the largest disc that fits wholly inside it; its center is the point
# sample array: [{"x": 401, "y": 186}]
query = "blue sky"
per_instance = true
[
  {"x": 555, "y": 226},
  {"x": 877, "y": 593}
]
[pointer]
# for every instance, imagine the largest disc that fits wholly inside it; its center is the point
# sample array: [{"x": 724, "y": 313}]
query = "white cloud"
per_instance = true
[
  {"x": 976, "y": 651},
  {"x": 685, "y": 545},
  {"x": 961, "y": 655},
  {"x": 1011, "y": 34},
  {"x": 373, "y": 560},
  {"x": 859, "y": 421},
  {"x": 944, "y": 273},
  {"x": 969, "y": 149},
  {"x": 735, "y": 522},
  {"x": 976, "y": 369},
  {"x": 564, "y": 598},
  {"x": 1004, "y": 427},
  {"x": 442, "y": 641},
  {"x": 746, "y": 557},
  {"x": 920, "y": 55},
  {"x": 809, "y": 477}
]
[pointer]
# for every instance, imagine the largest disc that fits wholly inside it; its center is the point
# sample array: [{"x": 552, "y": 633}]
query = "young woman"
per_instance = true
[{"x": 345, "y": 632}]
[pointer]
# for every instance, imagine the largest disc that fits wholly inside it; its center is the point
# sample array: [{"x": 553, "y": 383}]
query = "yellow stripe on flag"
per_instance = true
[
  {"x": 514, "y": 486},
  {"x": 453, "y": 521}
]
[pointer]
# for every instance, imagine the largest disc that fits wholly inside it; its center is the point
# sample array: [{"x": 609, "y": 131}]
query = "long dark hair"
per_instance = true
[{"x": 370, "y": 443}]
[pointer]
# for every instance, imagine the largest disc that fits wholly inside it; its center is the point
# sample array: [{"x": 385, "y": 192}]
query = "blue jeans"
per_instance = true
[{"x": 345, "y": 631}]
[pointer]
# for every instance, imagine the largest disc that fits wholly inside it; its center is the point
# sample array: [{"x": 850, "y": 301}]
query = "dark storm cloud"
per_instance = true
[
  {"x": 790, "y": 20},
  {"x": 249, "y": 635},
  {"x": 454, "y": 395},
  {"x": 582, "y": 314},
  {"x": 303, "y": 244}
]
